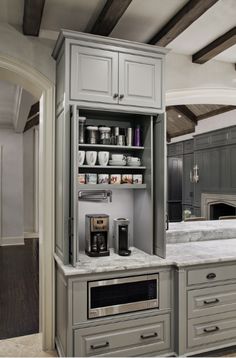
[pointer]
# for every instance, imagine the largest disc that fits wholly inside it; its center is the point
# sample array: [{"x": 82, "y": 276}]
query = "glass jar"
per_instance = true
[
  {"x": 105, "y": 135},
  {"x": 92, "y": 134}
]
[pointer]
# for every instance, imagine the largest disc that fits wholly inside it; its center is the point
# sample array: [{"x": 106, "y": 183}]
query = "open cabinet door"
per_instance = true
[
  {"x": 159, "y": 178},
  {"x": 74, "y": 242}
]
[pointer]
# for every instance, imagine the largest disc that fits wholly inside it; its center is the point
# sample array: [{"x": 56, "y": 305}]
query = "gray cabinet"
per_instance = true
[
  {"x": 132, "y": 338},
  {"x": 188, "y": 162},
  {"x": 114, "y": 77},
  {"x": 206, "y": 308},
  {"x": 94, "y": 75}
]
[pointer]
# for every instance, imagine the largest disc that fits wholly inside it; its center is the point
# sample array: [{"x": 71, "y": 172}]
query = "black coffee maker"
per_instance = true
[
  {"x": 121, "y": 236},
  {"x": 96, "y": 235}
]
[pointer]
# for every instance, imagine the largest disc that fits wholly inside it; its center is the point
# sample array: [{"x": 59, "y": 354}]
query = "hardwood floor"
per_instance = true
[{"x": 19, "y": 289}]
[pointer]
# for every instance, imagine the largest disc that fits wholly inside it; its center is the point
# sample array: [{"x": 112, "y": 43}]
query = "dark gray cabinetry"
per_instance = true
[
  {"x": 187, "y": 196},
  {"x": 175, "y": 172}
]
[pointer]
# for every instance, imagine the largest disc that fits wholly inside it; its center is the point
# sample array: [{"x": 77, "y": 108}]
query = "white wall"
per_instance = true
[
  {"x": 28, "y": 180},
  {"x": 209, "y": 124},
  {"x": 12, "y": 185}
]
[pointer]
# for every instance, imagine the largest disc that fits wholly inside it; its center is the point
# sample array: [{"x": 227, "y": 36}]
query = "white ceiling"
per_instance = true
[
  {"x": 15, "y": 104},
  {"x": 141, "y": 20}
]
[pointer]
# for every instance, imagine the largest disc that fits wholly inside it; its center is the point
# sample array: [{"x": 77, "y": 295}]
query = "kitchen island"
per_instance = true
[{"x": 190, "y": 231}]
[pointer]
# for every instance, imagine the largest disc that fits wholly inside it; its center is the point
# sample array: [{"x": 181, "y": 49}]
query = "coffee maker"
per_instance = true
[
  {"x": 96, "y": 235},
  {"x": 121, "y": 236}
]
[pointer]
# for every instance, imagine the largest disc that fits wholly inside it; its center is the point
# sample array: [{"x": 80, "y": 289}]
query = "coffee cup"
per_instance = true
[
  {"x": 133, "y": 160},
  {"x": 81, "y": 157},
  {"x": 118, "y": 157},
  {"x": 103, "y": 158},
  {"x": 91, "y": 157}
]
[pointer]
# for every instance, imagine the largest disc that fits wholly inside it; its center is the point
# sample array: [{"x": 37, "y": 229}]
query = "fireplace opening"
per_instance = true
[{"x": 221, "y": 209}]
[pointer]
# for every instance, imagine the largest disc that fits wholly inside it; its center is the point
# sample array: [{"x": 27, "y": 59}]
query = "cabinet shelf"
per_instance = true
[
  {"x": 111, "y": 186},
  {"x": 111, "y": 167},
  {"x": 109, "y": 147}
]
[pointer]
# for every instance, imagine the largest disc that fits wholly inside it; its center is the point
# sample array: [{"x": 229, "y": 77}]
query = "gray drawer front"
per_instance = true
[
  {"x": 188, "y": 146},
  {"x": 137, "y": 337},
  {"x": 175, "y": 149},
  {"x": 211, "y": 274},
  {"x": 213, "y": 300},
  {"x": 212, "y": 329}
]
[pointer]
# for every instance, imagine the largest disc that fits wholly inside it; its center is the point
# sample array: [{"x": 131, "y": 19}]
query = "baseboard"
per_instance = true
[
  {"x": 11, "y": 241},
  {"x": 31, "y": 235}
]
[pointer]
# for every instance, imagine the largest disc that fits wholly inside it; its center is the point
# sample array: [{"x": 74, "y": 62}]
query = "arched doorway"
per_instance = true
[{"x": 37, "y": 84}]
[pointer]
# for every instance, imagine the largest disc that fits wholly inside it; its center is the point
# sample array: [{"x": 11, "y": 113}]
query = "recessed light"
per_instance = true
[{"x": 179, "y": 116}]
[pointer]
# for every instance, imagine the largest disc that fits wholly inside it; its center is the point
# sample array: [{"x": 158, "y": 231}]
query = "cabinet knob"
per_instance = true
[
  {"x": 121, "y": 96},
  {"x": 115, "y": 95}
]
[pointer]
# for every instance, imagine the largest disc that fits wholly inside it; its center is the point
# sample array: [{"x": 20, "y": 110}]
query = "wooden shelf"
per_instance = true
[
  {"x": 111, "y": 186},
  {"x": 111, "y": 167},
  {"x": 109, "y": 147}
]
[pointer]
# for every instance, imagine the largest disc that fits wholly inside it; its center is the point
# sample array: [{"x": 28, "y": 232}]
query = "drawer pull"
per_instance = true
[
  {"x": 211, "y": 329},
  {"x": 115, "y": 95},
  {"x": 121, "y": 96},
  {"x": 210, "y": 302},
  {"x": 98, "y": 346},
  {"x": 147, "y": 336},
  {"x": 211, "y": 275}
]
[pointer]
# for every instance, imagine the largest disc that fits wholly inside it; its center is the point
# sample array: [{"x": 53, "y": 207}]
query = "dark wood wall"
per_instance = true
[{"x": 215, "y": 154}]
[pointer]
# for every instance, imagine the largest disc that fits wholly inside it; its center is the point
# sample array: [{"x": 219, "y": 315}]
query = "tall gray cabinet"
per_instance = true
[{"x": 110, "y": 82}]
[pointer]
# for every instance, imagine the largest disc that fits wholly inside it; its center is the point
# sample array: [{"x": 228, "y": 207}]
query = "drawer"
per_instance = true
[
  {"x": 130, "y": 338},
  {"x": 212, "y": 329},
  {"x": 212, "y": 300},
  {"x": 211, "y": 274}
]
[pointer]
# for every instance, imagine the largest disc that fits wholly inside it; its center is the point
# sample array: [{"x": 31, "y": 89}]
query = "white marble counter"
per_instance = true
[
  {"x": 182, "y": 254},
  {"x": 201, "y": 231}
]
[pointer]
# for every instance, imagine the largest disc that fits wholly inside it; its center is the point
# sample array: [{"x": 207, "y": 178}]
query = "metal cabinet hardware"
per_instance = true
[
  {"x": 115, "y": 95},
  {"x": 95, "y": 195},
  {"x": 121, "y": 96},
  {"x": 211, "y": 329},
  {"x": 209, "y": 302},
  {"x": 147, "y": 336},
  {"x": 211, "y": 275},
  {"x": 98, "y": 346}
]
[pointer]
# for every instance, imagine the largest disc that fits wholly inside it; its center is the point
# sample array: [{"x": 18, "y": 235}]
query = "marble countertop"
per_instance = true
[
  {"x": 201, "y": 231},
  {"x": 182, "y": 254}
]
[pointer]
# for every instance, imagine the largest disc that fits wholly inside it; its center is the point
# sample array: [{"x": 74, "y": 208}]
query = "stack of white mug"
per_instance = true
[{"x": 92, "y": 156}]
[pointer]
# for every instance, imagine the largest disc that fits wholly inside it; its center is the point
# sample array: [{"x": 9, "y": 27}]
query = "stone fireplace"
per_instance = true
[{"x": 215, "y": 205}]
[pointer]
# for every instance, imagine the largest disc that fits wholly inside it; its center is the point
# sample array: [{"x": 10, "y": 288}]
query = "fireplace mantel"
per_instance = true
[{"x": 207, "y": 199}]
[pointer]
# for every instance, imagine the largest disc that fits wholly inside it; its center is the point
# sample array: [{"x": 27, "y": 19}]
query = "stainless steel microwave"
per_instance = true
[{"x": 122, "y": 295}]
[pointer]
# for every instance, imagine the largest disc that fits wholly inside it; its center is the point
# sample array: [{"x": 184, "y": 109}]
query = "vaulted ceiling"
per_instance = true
[{"x": 202, "y": 29}]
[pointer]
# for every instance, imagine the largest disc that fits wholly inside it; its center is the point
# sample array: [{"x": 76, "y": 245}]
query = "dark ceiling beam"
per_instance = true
[
  {"x": 109, "y": 16},
  {"x": 33, "y": 11},
  {"x": 168, "y": 137},
  {"x": 181, "y": 21},
  {"x": 215, "y": 112},
  {"x": 186, "y": 112},
  {"x": 33, "y": 117},
  {"x": 213, "y": 49}
]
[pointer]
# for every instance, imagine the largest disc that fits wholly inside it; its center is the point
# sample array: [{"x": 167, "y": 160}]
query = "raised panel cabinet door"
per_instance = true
[
  {"x": 94, "y": 75},
  {"x": 140, "y": 81}
]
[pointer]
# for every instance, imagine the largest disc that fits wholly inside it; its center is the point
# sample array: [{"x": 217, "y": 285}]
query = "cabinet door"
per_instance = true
[
  {"x": 140, "y": 81},
  {"x": 187, "y": 185},
  {"x": 94, "y": 75}
]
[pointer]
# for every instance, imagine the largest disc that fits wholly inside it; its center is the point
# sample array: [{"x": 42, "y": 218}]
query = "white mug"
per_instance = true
[
  {"x": 103, "y": 158},
  {"x": 91, "y": 157},
  {"x": 133, "y": 160},
  {"x": 81, "y": 157},
  {"x": 118, "y": 157}
]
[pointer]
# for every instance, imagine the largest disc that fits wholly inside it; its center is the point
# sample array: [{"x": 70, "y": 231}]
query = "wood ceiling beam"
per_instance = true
[
  {"x": 33, "y": 117},
  {"x": 109, "y": 16},
  {"x": 33, "y": 11},
  {"x": 213, "y": 49},
  {"x": 186, "y": 112},
  {"x": 181, "y": 21},
  {"x": 215, "y": 112}
]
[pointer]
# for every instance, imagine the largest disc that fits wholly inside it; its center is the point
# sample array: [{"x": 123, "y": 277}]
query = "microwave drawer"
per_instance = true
[
  {"x": 211, "y": 300},
  {"x": 123, "y": 339},
  {"x": 122, "y": 295},
  {"x": 211, "y": 274}
]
